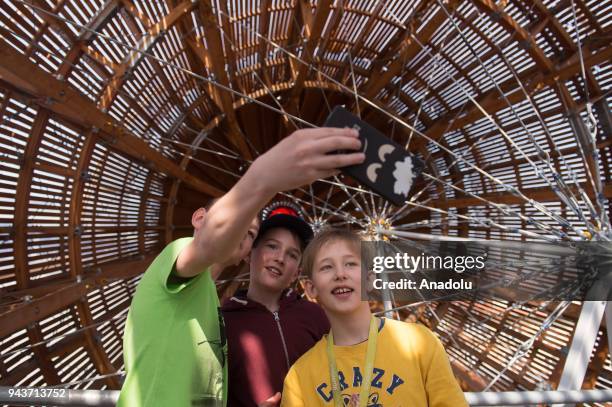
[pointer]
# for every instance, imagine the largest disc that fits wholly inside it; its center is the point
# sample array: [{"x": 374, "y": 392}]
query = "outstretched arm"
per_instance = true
[{"x": 299, "y": 159}]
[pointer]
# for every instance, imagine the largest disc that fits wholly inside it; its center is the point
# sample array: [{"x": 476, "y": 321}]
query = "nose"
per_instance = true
[
  {"x": 340, "y": 273},
  {"x": 279, "y": 257}
]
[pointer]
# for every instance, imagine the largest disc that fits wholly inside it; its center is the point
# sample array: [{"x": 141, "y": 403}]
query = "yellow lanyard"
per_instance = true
[{"x": 369, "y": 365}]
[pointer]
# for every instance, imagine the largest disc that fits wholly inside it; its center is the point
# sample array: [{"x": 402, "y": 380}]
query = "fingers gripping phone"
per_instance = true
[{"x": 388, "y": 168}]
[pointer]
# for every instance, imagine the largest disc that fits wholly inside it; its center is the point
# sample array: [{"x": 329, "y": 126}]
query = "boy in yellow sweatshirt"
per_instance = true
[{"x": 365, "y": 360}]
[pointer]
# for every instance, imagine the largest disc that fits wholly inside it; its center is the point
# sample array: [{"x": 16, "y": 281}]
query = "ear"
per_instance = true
[
  {"x": 295, "y": 275},
  {"x": 197, "y": 219},
  {"x": 310, "y": 289},
  {"x": 253, "y": 254}
]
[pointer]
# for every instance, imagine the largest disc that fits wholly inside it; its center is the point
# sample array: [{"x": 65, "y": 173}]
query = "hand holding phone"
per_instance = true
[{"x": 388, "y": 169}]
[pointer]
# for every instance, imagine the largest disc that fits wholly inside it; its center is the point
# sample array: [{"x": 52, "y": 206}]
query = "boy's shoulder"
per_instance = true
[
  {"x": 313, "y": 356},
  {"x": 411, "y": 336},
  {"x": 408, "y": 327}
]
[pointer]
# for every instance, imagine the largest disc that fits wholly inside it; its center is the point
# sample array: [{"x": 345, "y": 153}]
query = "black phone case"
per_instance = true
[{"x": 388, "y": 169}]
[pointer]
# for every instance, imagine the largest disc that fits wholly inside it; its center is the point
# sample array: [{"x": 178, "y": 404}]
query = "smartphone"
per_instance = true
[{"x": 388, "y": 169}]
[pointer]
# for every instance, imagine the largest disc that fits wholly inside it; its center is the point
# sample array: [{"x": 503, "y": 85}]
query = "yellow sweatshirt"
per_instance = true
[{"x": 410, "y": 369}]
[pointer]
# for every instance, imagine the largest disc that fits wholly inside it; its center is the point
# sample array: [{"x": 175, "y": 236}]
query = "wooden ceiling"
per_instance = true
[{"x": 119, "y": 117}]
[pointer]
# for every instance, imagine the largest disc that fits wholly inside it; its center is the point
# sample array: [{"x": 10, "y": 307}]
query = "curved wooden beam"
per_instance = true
[
  {"x": 409, "y": 48},
  {"x": 264, "y": 24},
  {"x": 172, "y": 200},
  {"x": 22, "y": 196},
  {"x": 59, "y": 97},
  {"x": 541, "y": 194},
  {"x": 217, "y": 60},
  {"x": 314, "y": 26},
  {"x": 148, "y": 40},
  {"x": 20, "y": 248},
  {"x": 96, "y": 352},
  {"x": 19, "y": 316},
  {"x": 533, "y": 82},
  {"x": 521, "y": 35}
]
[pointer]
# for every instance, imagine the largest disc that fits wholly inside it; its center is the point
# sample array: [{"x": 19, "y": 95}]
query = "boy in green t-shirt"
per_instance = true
[
  {"x": 364, "y": 361},
  {"x": 174, "y": 345}
]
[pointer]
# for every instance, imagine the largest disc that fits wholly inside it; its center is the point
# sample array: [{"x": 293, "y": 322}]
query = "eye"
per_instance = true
[
  {"x": 352, "y": 264},
  {"x": 325, "y": 267}
]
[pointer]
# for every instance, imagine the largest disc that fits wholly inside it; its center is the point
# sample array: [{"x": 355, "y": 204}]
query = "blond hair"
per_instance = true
[{"x": 324, "y": 238}]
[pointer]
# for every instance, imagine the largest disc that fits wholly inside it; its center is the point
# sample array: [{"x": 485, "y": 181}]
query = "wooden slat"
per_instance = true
[
  {"x": 22, "y": 197},
  {"x": 264, "y": 25},
  {"x": 468, "y": 377},
  {"x": 363, "y": 35},
  {"x": 520, "y": 34},
  {"x": 94, "y": 346},
  {"x": 142, "y": 210},
  {"x": 217, "y": 60},
  {"x": 492, "y": 102},
  {"x": 62, "y": 99},
  {"x": 537, "y": 194},
  {"x": 135, "y": 56},
  {"x": 598, "y": 362},
  {"x": 314, "y": 27},
  {"x": 96, "y": 352},
  {"x": 42, "y": 356},
  {"x": 230, "y": 41},
  {"x": 61, "y": 349},
  {"x": 76, "y": 205},
  {"x": 19, "y": 316},
  {"x": 409, "y": 48},
  {"x": 172, "y": 196}
]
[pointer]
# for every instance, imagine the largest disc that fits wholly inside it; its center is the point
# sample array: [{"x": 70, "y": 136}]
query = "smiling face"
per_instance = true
[
  {"x": 275, "y": 260},
  {"x": 335, "y": 277}
]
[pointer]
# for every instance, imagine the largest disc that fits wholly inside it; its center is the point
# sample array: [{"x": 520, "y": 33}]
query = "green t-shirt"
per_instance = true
[{"x": 172, "y": 344}]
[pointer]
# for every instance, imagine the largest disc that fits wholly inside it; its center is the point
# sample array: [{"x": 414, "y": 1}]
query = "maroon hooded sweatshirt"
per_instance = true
[{"x": 263, "y": 345}]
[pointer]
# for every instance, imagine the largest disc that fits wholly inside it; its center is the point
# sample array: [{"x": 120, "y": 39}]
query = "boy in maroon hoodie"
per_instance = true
[{"x": 269, "y": 326}]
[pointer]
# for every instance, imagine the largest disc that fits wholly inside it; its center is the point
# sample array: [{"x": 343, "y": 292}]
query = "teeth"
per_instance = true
[
  {"x": 342, "y": 290},
  {"x": 274, "y": 270}
]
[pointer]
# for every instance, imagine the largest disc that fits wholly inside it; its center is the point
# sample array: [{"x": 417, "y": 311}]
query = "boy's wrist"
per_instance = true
[{"x": 254, "y": 185}]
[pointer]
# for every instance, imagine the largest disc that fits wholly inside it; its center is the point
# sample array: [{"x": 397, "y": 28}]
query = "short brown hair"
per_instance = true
[{"x": 325, "y": 237}]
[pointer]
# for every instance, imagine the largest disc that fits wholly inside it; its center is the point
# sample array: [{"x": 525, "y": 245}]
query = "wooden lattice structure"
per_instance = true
[{"x": 118, "y": 118}]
